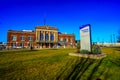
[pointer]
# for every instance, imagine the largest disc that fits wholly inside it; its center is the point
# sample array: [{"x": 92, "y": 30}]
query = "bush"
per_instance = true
[
  {"x": 96, "y": 49},
  {"x": 84, "y": 51}
]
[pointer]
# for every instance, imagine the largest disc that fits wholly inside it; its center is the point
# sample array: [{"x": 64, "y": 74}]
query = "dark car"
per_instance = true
[{"x": 2, "y": 47}]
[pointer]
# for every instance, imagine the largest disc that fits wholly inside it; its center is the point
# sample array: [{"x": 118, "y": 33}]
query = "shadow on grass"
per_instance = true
[
  {"x": 86, "y": 66},
  {"x": 116, "y": 62},
  {"x": 80, "y": 68},
  {"x": 76, "y": 68},
  {"x": 62, "y": 71},
  {"x": 95, "y": 69},
  {"x": 72, "y": 71}
]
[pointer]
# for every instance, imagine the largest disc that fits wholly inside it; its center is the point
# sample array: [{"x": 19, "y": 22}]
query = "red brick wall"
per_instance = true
[
  {"x": 18, "y": 35},
  {"x": 69, "y": 37}
]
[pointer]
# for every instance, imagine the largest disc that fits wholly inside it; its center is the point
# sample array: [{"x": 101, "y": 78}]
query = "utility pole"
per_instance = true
[
  {"x": 111, "y": 39},
  {"x": 114, "y": 39}
]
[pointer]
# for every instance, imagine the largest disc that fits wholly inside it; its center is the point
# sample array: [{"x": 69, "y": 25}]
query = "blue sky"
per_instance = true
[{"x": 66, "y": 15}]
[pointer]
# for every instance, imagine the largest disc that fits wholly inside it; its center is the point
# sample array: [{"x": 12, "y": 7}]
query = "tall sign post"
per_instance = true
[{"x": 85, "y": 36}]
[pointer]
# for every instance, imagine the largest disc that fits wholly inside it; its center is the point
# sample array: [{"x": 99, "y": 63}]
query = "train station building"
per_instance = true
[{"x": 41, "y": 37}]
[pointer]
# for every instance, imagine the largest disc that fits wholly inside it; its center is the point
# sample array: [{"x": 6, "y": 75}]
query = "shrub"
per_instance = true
[
  {"x": 96, "y": 49},
  {"x": 84, "y": 51}
]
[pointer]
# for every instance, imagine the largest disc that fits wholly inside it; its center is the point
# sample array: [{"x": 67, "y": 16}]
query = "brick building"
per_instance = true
[
  {"x": 42, "y": 37},
  {"x": 66, "y": 39},
  {"x": 21, "y": 38}
]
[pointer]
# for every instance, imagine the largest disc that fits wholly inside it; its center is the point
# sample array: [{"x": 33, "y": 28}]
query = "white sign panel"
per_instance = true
[{"x": 85, "y": 36}]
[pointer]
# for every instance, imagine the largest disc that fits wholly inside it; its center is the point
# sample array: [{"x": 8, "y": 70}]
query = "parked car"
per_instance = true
[
  {"x": 17, "y": 47},
  {"x": 2, "y": 47}
]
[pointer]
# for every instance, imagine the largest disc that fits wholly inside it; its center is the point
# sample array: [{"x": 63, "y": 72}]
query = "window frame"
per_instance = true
[
  {"x": 22, "y": 38},
  {"x": 30, "y": 38},
  {"x": 46, "y": 37},
  {"x": 14, "y": 37},
  {"x": 41, "y": 37},
  {"x": 51, "y": 37}
]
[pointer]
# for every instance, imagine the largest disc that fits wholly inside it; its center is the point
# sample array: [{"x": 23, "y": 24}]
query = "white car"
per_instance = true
[{"x": 17, "y": 47}]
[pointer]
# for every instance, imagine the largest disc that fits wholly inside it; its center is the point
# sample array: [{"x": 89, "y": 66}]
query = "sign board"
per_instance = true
[{"x": 85, "y": 36}]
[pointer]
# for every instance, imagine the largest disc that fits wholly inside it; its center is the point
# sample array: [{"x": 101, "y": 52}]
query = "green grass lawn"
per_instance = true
[{"x": 56, "y": 64}]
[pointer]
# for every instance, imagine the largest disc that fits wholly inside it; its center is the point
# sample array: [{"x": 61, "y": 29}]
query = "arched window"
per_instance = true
[
  {"x": 51, "y": 37},
  {"x": 41, "y": 37},
  {"x": 46, "y": 37}
]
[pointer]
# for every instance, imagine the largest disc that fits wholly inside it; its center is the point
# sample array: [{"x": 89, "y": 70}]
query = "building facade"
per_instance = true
[
  {"x": 42, "y": 37},
  {"x": 46, "y": 37},
  {"x": 21, "y": 39},
  {"x": 66, "y": 40}
]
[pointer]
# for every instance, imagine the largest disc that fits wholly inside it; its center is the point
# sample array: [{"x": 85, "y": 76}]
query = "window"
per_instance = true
[
  {"x": 14, "y": 38},
  {"x": 61, "y": 39},
  {"x": 22, "y": 38},
  {"x": 51, "y": 37},
  {"x": 66, "y": 39},
  {"x": 30, "y": 38},
  {"x": 46, "y": 37},
  {"x": 41, "y": 37}
]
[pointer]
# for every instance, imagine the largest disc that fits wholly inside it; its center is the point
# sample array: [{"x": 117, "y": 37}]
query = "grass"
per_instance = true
[{"x": 56, "y": 64}]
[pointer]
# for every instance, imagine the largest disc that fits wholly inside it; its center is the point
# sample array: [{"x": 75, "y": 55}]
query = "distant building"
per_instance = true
[
  {"x": 42, "y": 37},
  {"x": 108, "y": 44}
]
